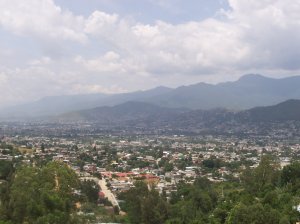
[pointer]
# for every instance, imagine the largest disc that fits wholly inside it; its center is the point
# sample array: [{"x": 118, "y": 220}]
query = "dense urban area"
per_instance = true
[
  {"x": 150, "y": 112},
  {"x": 63, "y": 173}
]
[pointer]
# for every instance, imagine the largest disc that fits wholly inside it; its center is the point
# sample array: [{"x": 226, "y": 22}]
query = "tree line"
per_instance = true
[
  {"x": 39, "y": 195},
  {"x": 266, "y": 194}
]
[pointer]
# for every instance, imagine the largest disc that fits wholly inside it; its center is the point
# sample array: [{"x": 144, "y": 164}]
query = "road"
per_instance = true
[{"x": 108, "y": 193}]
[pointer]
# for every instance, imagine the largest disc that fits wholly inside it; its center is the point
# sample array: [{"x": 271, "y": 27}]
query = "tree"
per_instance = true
[
  {"x": 154, "y": 208},
  {"x": 90, "y": 189},
  {"x": 256, "y": 213},
  {"x": 266, "y": 175},
  {"x": 42, "y": 195},
  {"x": 291, "y": 174},
  {"x": 43, "y": 147},
  {"x": 6, "y": 169},
  {"x": 168, "y": 167},
  {"x": 144, "y": 206},
  {"x": 193, "y": 203},
  {"x": 267, "y": 172}
]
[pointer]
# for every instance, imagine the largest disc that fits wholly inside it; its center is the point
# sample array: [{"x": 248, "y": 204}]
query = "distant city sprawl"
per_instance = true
[{"x": 120, "y": 171}]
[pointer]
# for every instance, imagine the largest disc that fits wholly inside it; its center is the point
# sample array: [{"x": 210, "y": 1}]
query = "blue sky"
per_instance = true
[
  {"x": 57, "y": 47},
  {"x": 149, "y": 11}
]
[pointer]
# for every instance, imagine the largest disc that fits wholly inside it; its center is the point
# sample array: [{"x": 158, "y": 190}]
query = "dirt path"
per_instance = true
[{"x": 108, "y": 193}]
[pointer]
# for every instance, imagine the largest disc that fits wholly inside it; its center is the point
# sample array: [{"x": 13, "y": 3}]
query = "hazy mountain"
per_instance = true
[
  {"x": 285, "y": 111},
  {"x": 247, "y": 92},
  {"x": 124, "y": 114},
  {"x": 136, "y": 113},
  {"x": 55, "y": 105}
]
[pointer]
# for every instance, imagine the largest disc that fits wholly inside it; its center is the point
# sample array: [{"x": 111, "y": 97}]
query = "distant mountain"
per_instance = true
[
  {"x": 52, "y": 105},
  {"x": 126, "y": 113},
  {"x": 137, "y": 113},
  {"x": 247, "y": 92},
  {"x": 55, "y": 105},
  {"x": 285, "y": 111}
]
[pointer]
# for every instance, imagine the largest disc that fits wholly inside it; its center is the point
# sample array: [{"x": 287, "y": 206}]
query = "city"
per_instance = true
[
  {"x": 149, "y": 112},
  {"x": 116, "y": 162}
]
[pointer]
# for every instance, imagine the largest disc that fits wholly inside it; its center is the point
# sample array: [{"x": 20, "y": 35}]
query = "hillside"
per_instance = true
[
  {"x": 56, "y": 105},
  {"x": 126, "y": 113},
  {"x": 285, "y": 111},
  {"x": 248, "y": 92},
  {"x": 137, "y": 113}
]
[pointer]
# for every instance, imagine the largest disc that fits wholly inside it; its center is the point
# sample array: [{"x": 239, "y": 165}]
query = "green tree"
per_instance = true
[
  {"x": 90, "y": 189},
  {"x": 42, "y": 195},
  {"x": 265, "y": 176},
  {"x": 6, "y": 169},
  {"x": 145, "y": 206},
  {"x": 255, "y": 213},
  {"x": 291, "y": 175}
]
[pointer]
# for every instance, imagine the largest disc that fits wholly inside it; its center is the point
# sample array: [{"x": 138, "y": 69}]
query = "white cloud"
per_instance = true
[
  {"x": 99, "y": 21},
  {"x": 3, "y": 79},
  {"x": 107, "y": 63},
  {"x": 41, "y": 61},
  {"x": 111, "y": 53},
  {"x": 271, "y": 29},
  {"x": 93, "y": 88},
  {"x": 41, "y": 18}
]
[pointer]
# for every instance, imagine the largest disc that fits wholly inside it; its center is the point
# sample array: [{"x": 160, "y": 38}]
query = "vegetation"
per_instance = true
[
  {"x": 144, "y": 205},
  {"x": 51, "y": 193},
  {"x": 47, "y": 194},
  {"x": 90, "y": 190},
  {"x": 265, "y": 195},
  {"x": 39, "y": 195}
]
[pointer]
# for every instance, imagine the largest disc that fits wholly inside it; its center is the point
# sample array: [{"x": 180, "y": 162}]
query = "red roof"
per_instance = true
[
  {"x": 101, "y": 194},
  {"x": 124, "y": 174}
]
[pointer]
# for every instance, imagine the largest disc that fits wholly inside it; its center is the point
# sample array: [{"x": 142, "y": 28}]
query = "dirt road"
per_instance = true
[{"x": 108, "y": 193}]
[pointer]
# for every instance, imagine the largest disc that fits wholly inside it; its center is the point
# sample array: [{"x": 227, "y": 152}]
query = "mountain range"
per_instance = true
[
  {"x": 145, "y": 114},
  {"x": 248, "y": 92}
]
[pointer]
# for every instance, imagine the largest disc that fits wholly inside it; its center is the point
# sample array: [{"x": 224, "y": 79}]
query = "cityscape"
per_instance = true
[
  {"x": 114, "y": 163},
  {"x": 150, "y": 112}
]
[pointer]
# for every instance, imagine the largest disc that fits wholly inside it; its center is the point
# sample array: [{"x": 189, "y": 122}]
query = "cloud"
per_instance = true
[
  {"x": 41, "y": 62},
  {"x": 110, "y": 53},
  {"x": 270, "y": 28},
  {"x": 99, "y": 21},
  {"x": 93, "y": 88},
  {"x": 190, "y": 48},
  {"x": 42, "y": 19},
  {"x": 107, "y": 63},
  {"x": 3, "y": 79}
]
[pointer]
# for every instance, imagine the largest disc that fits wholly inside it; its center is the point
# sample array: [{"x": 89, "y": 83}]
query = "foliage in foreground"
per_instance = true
[
  {"x": 265, "y": 195},
  {"x": 39, "y": 195}
]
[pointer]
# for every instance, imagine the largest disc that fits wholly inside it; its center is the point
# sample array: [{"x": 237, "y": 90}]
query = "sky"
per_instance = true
[{"x": 58, "y": 47}]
